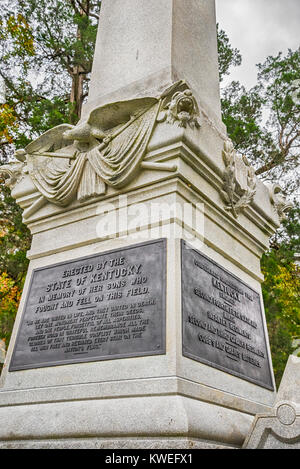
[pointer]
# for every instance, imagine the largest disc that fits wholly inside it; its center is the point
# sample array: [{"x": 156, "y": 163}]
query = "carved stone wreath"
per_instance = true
[
  {"x": 279, "y": 201},
  {"x": 234, "y": 195}
]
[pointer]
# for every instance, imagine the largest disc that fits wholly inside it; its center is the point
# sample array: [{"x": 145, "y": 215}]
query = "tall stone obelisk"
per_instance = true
[
  {"x": 141, "y": 323},
  {"x": 144, "y": 47}
]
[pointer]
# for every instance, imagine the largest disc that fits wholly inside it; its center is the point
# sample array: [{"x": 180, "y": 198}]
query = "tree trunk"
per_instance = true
[
  {"x": 76, "y": 97},
  {"x": 78, "y": 76}
]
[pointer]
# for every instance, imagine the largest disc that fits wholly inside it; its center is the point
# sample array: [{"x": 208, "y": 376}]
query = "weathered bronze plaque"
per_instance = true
[
  {"x": 102, "y": 307},
  {"x": 222, "y": 320}
]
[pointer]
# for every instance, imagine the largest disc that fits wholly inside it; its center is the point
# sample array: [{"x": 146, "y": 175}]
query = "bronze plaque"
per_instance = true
[
  {"x": 102, "y": 307},
  {"x": 222, "y": 320}
]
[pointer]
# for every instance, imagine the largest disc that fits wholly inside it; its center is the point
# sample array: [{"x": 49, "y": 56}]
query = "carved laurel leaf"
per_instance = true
[
  {"x": 225, "y": 197},
  {"x": 228, "y": 158},
  {"x": 228, "y": 146},
  {"x": 230, "y": 186},
  {"x": 229, "y": 174},
  {"x": 244, "y": 201},
  {"x": 245, "y": 160},
  {"x": 229, "y": 155},
  {"x": 229, "y": 183},
  {"x": 251, "y": 178}
]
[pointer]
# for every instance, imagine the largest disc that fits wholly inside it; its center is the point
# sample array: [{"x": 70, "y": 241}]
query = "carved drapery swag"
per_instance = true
[
  {"x": 119, "y": 159},
  {"x": 112, "y": 162},
  {"x": 107, "y": 149}
]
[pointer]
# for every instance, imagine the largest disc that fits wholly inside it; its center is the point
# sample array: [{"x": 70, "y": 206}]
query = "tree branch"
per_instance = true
[
  {"x": 74, "y": 6},
  {"x": 268, "y": 166},
  {"x": 86, "y": 10}
]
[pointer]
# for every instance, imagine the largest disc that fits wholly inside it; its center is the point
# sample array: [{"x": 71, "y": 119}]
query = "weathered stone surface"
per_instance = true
[
  {"x": 146, "y": 45},
  {"x": 165, "y": 397},
  {"x": 2, "y": 351},
  {"x": 280, "y": 429},
  {"x": 289, "y": 389},
  {"x": 160, "y": 417},
  {"x": 115, "y": 443},
  {"x": 106, "y": 150}
]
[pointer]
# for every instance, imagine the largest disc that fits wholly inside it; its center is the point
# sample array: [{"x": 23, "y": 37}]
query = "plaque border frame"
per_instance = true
[
  {"x": 75, "y": 361},
  {"x": 191, "y": 356}
]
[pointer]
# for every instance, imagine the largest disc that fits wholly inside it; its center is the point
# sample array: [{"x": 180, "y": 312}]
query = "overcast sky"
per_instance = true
[{"x": 259, "y": 28}]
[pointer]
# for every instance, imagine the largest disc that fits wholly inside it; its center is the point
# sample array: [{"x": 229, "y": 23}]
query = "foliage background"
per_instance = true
[{"x": 46, "y": 53}]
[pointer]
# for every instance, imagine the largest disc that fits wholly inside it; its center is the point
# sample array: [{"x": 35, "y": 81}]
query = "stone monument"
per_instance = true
[
  {"x": 280, "y": 428},
  {"x": 141, "y": 324},
  {"x": 2, "y": 351}
]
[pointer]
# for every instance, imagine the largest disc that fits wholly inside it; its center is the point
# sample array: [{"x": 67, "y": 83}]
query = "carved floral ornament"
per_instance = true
[{"x": 79, "y": 162}]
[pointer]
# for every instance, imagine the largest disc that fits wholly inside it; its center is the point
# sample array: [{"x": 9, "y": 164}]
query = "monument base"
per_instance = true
[
  {"x": 76, "y": 417},
  {"x": 120, "y": 444},
  {"x": 280, "y": 428},
  {"x": 118, "y": 344},
  {"x": 166, "y": 401}
]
